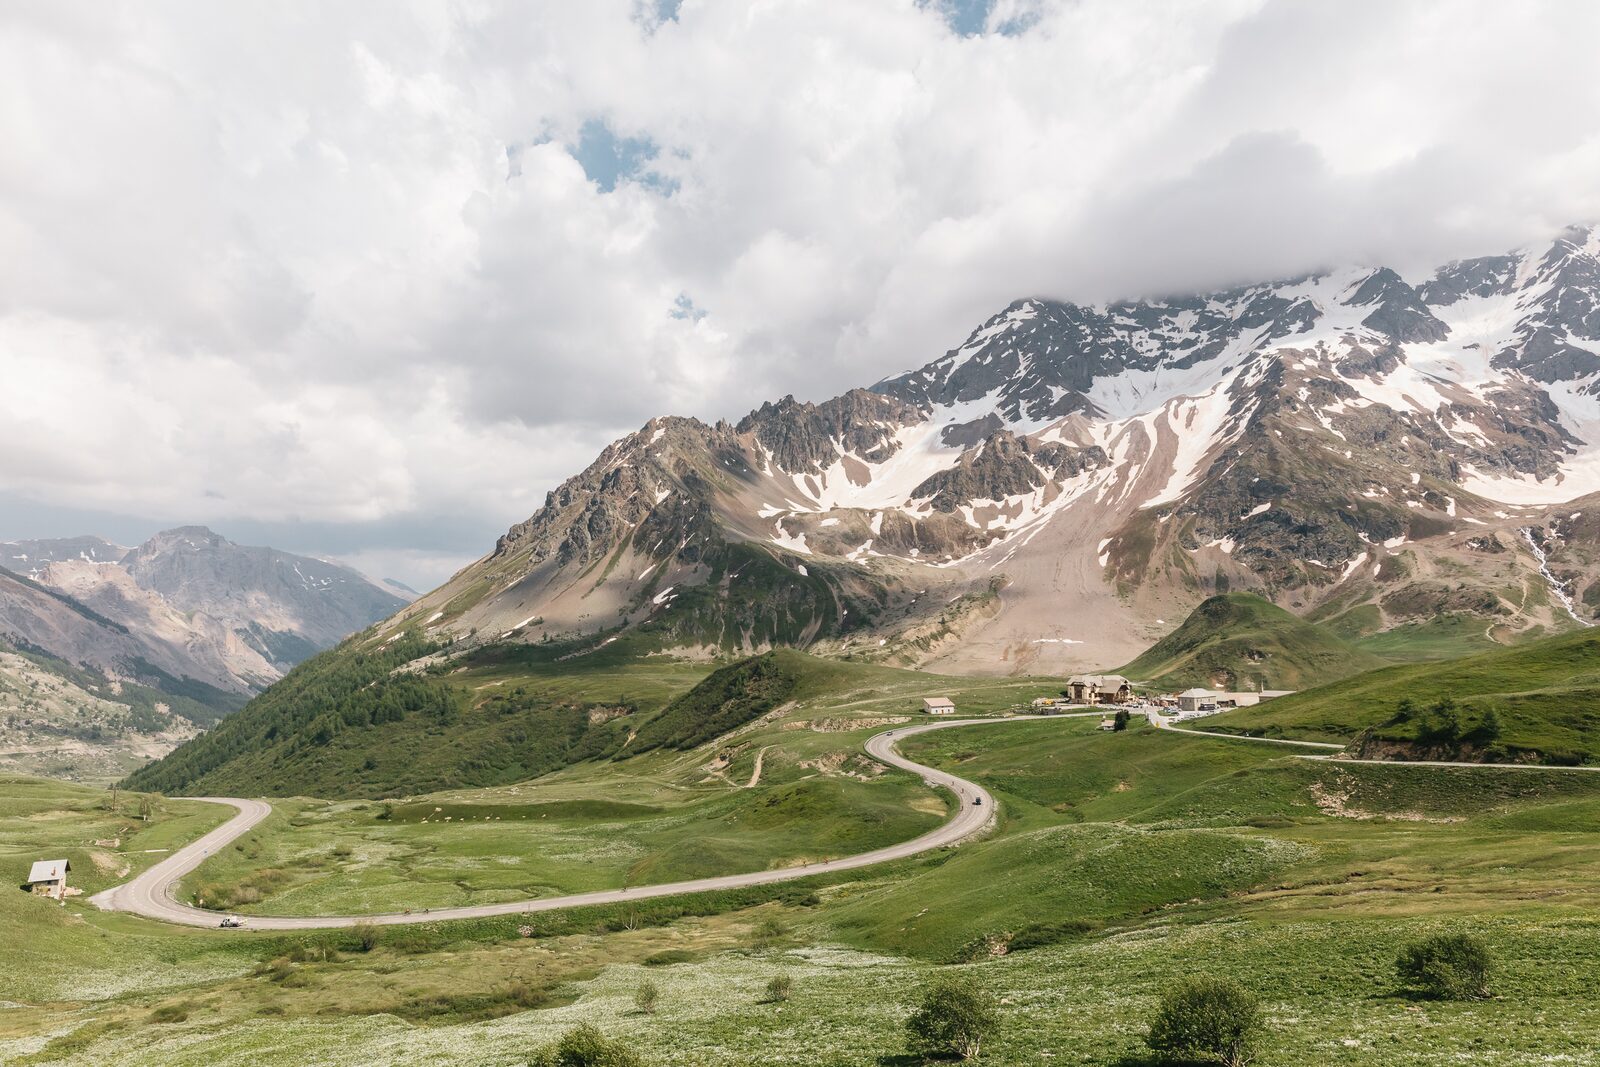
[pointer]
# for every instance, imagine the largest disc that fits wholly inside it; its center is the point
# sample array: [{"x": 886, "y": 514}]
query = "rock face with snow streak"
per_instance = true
[{"x": 1061, "y": 488}]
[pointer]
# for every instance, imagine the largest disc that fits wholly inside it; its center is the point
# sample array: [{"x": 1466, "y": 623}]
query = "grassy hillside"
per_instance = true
[
  {"x": 368, "y": 723},
  {"x": 1545, "y": 697},
  {"x": 1241, "y": 641},
  {"x": 727, "y": 698}
]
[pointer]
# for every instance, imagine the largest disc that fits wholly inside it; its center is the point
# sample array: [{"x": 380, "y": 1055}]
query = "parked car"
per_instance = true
[{"x": 231, "y": 922}]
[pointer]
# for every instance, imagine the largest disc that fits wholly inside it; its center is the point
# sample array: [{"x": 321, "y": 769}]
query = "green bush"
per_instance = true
[
  {"x": 1447, "y": 966},
  {"x": 1209, "y": 1020},
  {"x": 366, "y": 935},
  {"x": 953, "y": 1020},
  {"x": 586, "y": 1047},
  {"x": 778, "y": 990},
  {"x": 647, "y": 997}
]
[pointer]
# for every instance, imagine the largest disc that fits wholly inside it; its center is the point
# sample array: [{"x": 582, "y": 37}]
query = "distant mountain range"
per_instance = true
[
  {"x": 1397, "y": 457},
  {"x": 109, "y": 653}
]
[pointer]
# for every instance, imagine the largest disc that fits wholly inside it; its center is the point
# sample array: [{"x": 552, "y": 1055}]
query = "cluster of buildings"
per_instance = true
[{"x": 1113, "y": 690}]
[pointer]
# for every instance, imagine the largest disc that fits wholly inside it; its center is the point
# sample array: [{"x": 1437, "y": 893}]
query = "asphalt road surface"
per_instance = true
[{"x": 151, "y": 894}]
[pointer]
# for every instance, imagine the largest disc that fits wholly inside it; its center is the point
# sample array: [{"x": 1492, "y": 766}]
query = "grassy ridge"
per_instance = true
[
  {"x": 729, "y": 697},
  {"x": 1241, "y": 641},
  {"x": 1546, "y": 695},
  {"x": 368, "y": 723}
]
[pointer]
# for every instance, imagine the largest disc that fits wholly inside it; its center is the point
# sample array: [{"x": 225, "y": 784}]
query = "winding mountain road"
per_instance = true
[{"x": 153, "y": 893}]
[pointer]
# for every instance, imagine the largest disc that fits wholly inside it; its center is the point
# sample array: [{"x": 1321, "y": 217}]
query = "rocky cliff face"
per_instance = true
[{"x": 1062, "y": 487}]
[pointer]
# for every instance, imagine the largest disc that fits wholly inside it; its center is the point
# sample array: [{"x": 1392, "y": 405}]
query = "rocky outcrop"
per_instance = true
[
  {"x": 805, "y": 438},
  {"x": 1004, "y": 466},
  {"x": 1398, "y": 310}
]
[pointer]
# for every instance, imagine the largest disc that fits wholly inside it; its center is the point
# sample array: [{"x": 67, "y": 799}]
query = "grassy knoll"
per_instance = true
[
  {"x": 1242, "y": 641},
  {"x": 1545, "y": 694},
  {"x": 314, "y": 857}
]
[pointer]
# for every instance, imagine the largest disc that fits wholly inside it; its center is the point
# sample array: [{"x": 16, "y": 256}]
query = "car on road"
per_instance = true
[
  {"x": 231, "y": 922},
  {"x": 977, "y": 800}
]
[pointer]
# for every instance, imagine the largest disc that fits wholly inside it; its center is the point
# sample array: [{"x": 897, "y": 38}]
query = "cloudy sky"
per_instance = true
[{"x": 367, "y": 279}]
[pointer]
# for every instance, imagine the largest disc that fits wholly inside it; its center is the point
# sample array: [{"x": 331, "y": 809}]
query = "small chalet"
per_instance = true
[
  {"x": 1099, "y": 689},
  {"x": 1108, "y": 724},
  {"x": 48, "y": 878},
  {"x": 938, "y": 705}
]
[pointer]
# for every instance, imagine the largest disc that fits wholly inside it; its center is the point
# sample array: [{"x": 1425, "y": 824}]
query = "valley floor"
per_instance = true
[{"x": 1123, "y": 861}]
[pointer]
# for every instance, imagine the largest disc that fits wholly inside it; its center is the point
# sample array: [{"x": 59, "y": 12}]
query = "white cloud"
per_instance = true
[{"x": 338, "y": 263}]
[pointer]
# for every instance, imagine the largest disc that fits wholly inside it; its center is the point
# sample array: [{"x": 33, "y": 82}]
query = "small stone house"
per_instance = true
[
  {"x": 938, "y": 705},
  {"x": 1099, "y": 689},
  {"x": 1193, "y": 700},
  {"x": 48, "y": 878}
]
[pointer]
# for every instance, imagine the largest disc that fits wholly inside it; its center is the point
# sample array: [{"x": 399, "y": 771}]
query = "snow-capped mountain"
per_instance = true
[{"x": 1060, "y": 489}]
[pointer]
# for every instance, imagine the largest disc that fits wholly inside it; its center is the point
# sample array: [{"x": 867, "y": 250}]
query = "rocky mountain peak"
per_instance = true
[
  {"x": 1399, "y": 311},
  {"x": 804, "y": 438},
  {"x": 1295, "y": 436}
]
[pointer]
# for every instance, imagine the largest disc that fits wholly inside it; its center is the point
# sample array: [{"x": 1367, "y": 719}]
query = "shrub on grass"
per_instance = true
[
  {"x": 366, "y": 935},
  {"x": 1209, "y": 1020},
  {"x": 586, "y": 1047},
  {"x": 277, "y": 970},
  {"x": 952, "y": 1021},
  {"x": 778, "y": 990},
  {"x": 1488, "y": 730},
  {"x": 647, "y": 997},
  {"x": 1447, "y": 966},
  {"x": 667, "y": 957}
]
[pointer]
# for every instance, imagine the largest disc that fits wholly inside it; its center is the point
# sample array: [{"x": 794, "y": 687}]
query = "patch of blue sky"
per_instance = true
[
  {"x": 608, "y": 159},
  {"x": 970, "y": 18}
]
